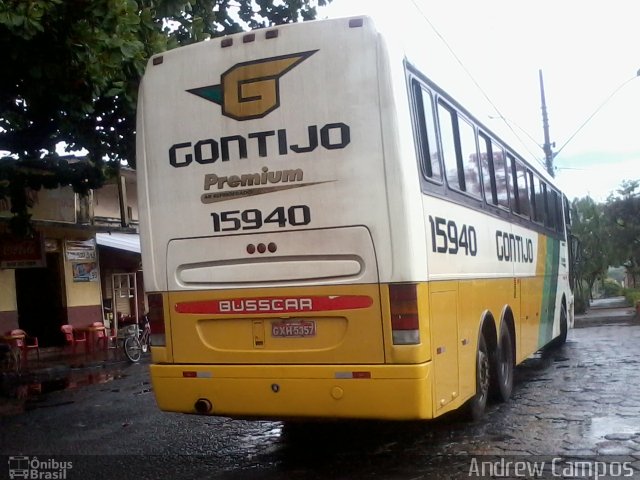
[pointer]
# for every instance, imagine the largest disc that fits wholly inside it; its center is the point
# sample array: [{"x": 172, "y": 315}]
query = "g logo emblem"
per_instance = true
[{"x": 251, "y": 90}]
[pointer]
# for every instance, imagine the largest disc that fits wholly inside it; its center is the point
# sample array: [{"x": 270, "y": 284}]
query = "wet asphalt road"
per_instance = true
[{"x": 581, "y": 402}]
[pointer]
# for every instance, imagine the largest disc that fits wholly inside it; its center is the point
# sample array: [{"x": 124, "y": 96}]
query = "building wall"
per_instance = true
[
  {"x": 83, "y": 299},
  {"x": 8, "y": 303},
  {"x": 106, "y": 204}
]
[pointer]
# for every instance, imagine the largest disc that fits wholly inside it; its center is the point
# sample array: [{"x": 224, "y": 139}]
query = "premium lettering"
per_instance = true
[{"x": 250, "y": 179}]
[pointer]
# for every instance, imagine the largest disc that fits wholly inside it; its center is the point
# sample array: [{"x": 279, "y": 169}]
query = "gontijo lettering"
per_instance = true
[
  {"x": 332, "y": 136},
  {"x": 514, "y": 248}
]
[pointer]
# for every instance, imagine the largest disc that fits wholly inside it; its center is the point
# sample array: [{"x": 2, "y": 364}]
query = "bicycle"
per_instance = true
[{"x": 134, "y": 341}]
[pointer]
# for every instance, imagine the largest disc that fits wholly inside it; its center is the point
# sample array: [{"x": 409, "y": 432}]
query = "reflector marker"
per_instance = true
[
  {"x": 194, "y": 374},
  {"x": 350, "y": 375}
]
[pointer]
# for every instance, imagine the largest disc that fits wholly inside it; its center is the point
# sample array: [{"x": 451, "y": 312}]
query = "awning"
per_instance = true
[{"x": 122, "y": 241}]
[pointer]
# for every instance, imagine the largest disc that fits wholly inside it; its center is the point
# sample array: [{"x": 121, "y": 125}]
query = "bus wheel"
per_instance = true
[
  {"x": 476, "y": 405},
  {"x": 562, "y": 339},
  {"x": 502, "y": 378}
]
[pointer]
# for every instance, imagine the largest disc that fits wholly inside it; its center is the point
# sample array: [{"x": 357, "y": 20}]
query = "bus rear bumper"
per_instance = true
[{"x": 399, "y": 392}]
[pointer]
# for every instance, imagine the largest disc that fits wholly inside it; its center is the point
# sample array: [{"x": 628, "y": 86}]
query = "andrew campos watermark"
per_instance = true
[
  {"x": 554, "y": 467},
  {"x": 34, "y": 468}
]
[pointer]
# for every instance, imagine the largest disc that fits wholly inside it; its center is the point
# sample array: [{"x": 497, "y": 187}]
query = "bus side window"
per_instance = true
[
  {"x": 551, "y": 202},
  {"x": 567, "y": 213},
  {"x": 502, "y": 177},
  {"x": 488, "y": 170},
  {"x": 549, "y": 219},
  {"x": 459, "y": 151},
  {"x": 448, "y": 127},
  {"x": 427, "y": 140},
  {"x": 469, "y": 159},
  {"x": 522, "y": 190},
  {"x": 511, "y": 179},
  {"x": 537, "y": 198}
]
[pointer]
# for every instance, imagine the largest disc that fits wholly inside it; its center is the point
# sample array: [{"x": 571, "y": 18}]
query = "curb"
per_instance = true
[{"x": 590, "y": 320}]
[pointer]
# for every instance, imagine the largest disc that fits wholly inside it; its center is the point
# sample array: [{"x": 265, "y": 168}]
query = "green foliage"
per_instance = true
[
  {"x": 632, "y": 296},
  {"x": 611, "y": 288},
  {"x": 623, "y": 222},
  {"x": 71, "y": 71},
  {"x": 581, "y": 299},
  {"x": 609, "y": 234},
  {"x": 588, "y": 224},
  {"x": 616, "y": 273}
]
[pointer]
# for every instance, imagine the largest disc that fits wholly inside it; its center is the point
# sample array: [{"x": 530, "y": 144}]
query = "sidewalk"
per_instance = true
[{"x": 605, "y": 311}]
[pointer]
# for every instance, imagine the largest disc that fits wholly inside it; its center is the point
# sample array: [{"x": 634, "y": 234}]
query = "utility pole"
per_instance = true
[{"x": 548, "y": 154}]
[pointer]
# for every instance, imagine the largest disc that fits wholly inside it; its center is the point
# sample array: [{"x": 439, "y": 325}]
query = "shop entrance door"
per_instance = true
[
  {"x": 124, "y": 290},
  {"x": 39, "y": 298}
]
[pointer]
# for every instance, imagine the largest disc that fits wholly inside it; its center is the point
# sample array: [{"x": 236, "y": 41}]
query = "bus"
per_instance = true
[{"x": 326, "y": 233}]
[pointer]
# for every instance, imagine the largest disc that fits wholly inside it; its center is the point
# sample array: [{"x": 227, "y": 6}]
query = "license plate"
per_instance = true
[{"x": 299, "y": 328}]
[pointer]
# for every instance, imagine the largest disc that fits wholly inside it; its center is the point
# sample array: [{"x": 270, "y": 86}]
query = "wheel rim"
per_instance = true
[
  {"x": 505, "y": 362},
  {"x": 483, "y": 373},
  {"x": 132, "y": 349}
]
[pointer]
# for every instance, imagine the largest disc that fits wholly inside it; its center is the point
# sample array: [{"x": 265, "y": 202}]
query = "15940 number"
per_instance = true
[
  {"x": 253, "y": 219},
  {"x": 447, "y": 237}
]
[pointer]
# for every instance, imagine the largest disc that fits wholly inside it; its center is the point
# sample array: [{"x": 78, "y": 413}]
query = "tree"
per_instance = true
[
  {"x": 71, "y": 70},
  {"x": 623, "y": 222},
  {"x": 589, "y": 225}
]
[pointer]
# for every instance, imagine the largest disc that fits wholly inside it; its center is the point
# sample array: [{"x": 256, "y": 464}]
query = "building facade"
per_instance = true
[{"x": 63, "y": 275}]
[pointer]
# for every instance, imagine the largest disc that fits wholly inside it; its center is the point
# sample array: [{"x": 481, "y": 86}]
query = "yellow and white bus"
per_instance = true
[{"x": 326, "y": 233}]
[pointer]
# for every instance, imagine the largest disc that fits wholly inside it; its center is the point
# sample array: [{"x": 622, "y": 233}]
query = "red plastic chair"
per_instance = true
[
  {"x": 25, "y": 343},
  {"x": 104, "y": 336},
  {"x": 74, "y": 338}
]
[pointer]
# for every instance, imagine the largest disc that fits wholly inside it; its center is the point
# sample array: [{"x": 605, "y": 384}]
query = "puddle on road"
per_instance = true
[
  {"x": 27, "y": 393},
  {"x": 601, "y": 426}
]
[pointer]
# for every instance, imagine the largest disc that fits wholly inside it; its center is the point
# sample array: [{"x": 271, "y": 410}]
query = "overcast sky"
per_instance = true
[{"x": 586, "y": 49}]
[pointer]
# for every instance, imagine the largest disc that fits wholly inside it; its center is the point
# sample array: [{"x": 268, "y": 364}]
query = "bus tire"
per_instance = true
[
  {"x": 474, "y": 408},
  {"x": 562, "y": 338},
  {"x": 503, "y": 364}
]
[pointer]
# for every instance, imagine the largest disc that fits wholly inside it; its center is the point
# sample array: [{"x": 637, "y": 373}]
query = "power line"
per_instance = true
[
  {"x": 517, "y": 126},
  {"x": 502, "y": 117},
  {"x": 606, "y": 100}
]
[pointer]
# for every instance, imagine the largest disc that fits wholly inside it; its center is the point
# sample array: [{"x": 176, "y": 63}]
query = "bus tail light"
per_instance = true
[
  {"x": 156, "y": 319},
  {"x": 405, "y": 325}
]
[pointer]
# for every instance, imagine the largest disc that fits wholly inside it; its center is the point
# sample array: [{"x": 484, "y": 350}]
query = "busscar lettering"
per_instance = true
[
  {"x": 265, "y": 305},
  {"x": 513, "y": 248},
  {"x": 332, "y": 136}
]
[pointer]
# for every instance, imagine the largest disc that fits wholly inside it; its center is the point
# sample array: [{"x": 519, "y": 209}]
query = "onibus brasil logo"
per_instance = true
[
  {"x": 251, "y": 89},
  {"x": 37, "y": 468}
]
